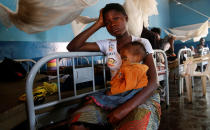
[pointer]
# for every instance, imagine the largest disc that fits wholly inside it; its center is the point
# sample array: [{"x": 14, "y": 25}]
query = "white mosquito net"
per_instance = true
[
  {"x": 185, "y": 33},
  {"x": 39, "y": 15},
  {"x": 138, "y": 12},
  {"x": 80, "y": 22}
]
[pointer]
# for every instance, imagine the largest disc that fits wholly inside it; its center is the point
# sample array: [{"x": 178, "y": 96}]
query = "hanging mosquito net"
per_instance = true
[
  {"x": 138, "y": 12},
  {"x": 194, "y": 31},
  {"x": 39, "y": 15},
  {"x": 34, "y": 16},
  {"x": 185, "y": 33}
]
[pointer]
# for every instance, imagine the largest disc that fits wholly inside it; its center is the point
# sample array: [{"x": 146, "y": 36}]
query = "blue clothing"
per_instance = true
[{"x": 110, "y": 102}]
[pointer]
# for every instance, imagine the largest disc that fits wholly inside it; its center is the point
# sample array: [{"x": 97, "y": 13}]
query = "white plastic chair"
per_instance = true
[
  {"x": 204, "y": 51},
  {"x": 183, "y": 52}
]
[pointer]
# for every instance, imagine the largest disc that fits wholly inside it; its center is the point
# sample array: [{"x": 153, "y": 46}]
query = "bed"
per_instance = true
[
  {"x": 14, "y": 89},
  {"x": 56, "y": 110}
]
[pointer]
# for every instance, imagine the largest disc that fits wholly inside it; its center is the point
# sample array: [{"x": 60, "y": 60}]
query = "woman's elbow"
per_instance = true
[
  {"x": 70, "y": 48},
  {"x": 154, "y": 83}
]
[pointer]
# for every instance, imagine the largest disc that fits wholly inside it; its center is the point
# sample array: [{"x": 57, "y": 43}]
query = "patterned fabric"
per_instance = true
[{"x": 144, "y": 117}]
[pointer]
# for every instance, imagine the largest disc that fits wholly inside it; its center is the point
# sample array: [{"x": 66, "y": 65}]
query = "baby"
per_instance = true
[
  {"x": 132, "y": 74},
  {"x": 129, "y": 79}
]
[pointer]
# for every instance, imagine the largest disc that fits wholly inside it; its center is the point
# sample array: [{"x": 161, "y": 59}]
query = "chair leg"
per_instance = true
[
  {"x": 180, "y": 86},
  {"x": 189, "y": 88},
  {"x": 181, "y": 83},
  {"x": 202, "y": 67},
  {"x": 203, "y": 78},
  {"x": 193, "y": 83}
]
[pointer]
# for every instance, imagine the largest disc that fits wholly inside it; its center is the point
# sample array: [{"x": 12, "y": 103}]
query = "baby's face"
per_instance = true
[{"x": 126, "y": 55}]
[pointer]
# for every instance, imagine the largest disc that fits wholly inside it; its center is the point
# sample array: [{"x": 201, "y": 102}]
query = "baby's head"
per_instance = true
[{"x": 133, "y": 52}]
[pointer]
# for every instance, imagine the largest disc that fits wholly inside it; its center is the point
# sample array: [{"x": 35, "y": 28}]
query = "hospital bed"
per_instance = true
[{"x": 39, "y": 116}]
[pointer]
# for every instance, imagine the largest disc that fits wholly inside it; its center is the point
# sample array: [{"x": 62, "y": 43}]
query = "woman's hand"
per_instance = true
[
  {"x": 79, "y": 42},
  {"x": 118, "y": 114},
  {"x": 114, "y": 117},
  {"x": 100, "y": 20}
]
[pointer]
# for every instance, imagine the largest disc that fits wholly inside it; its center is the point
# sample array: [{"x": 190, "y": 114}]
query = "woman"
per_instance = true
[{"x": 143, "y": 110}]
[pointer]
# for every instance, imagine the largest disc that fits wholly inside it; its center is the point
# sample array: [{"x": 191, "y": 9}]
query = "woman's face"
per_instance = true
[{"x": 115, "y": 23}]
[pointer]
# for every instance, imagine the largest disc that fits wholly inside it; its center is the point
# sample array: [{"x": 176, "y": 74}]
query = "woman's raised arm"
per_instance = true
[
  {"x": 119, "y": 113},
  {"x": 79, "y": 42}
]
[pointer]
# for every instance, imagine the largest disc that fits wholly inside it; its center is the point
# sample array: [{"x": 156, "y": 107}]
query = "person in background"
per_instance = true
[
  {"x": 200, "y": 45},
  {"x": 142, "y": 110},
  {"x": 192, "y": 50},
  {"x": 152, "y": 37},
  {"x": 166, "y": 44}
]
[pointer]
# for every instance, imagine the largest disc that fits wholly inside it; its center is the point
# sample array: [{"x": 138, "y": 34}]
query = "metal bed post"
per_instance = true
[
  {"x": 93, "y": 76},
  {"x": 104, "y": 71},
  {"x": 166, "y": 88},
  {"x": 166, "y": 78},
  {"x": 74, "y": 76},
  {"x": 58, "y": 78}
]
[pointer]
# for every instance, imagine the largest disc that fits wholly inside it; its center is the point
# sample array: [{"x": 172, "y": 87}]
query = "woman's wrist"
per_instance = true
[
  {"x": 99, "y": 24},
  {"x": 125, "y": 109}
]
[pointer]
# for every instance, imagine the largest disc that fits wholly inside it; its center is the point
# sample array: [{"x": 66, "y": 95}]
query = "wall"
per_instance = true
[
  {"x": 18, "y": 44},
  {"x": 181, "y": 16},
  {"x": 161, "y": 20}
]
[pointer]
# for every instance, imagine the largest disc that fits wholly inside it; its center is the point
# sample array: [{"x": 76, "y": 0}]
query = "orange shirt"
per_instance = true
[{"x": 130, "y": 76}]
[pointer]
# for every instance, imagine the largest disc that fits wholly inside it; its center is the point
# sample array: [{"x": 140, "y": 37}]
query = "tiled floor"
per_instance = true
[{"x": 181, "y": 115}]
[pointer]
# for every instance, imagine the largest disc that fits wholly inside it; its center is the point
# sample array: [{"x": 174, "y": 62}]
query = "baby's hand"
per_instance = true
[{"x": 108, "y": 93}]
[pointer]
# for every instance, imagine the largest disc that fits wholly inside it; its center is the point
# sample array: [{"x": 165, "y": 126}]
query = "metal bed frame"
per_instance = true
[
  {"x": 163, "y": 77},
  {"x": 79, "y": 75}
]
